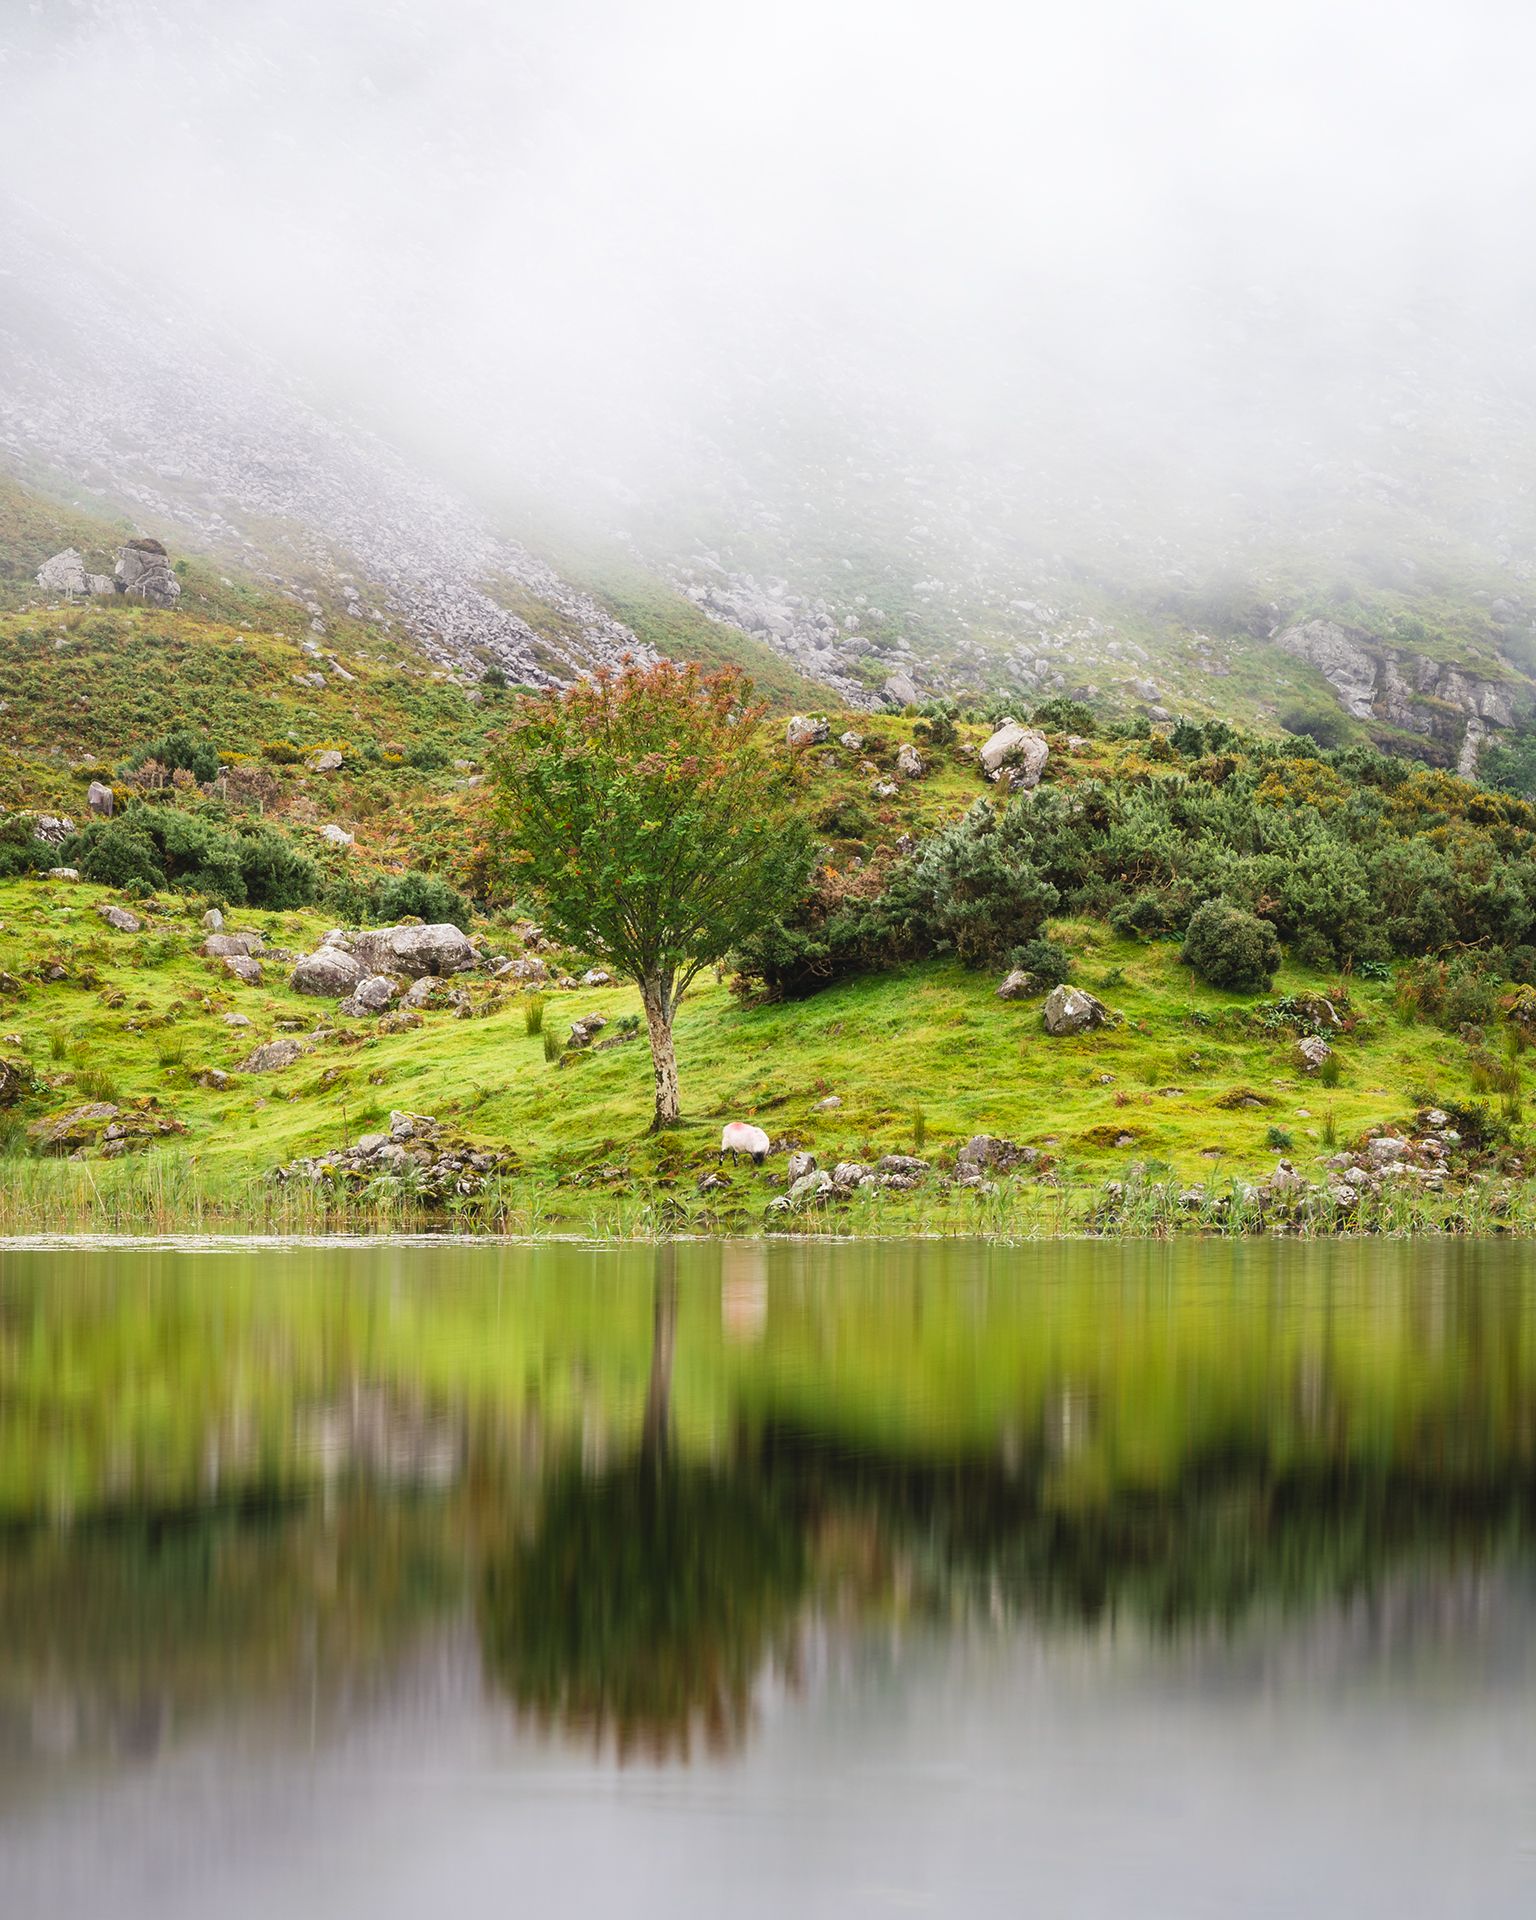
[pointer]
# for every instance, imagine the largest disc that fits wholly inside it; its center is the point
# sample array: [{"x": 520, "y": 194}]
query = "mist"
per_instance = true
[{"x": 1135, "y": 258}]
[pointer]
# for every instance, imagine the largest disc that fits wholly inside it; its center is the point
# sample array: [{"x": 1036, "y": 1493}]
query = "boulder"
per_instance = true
[
  {"x": 98, "y": 797},
  {"x": 799, "y": 1165},
  {"x": 1312, "y": 1050},
  {"x": 848, "y": 1174},
  {"x": 401, "y": 1020},
  {"x": 51, "y": 828},
  {"x": 330, "y": 972},
  {"x": 1020, "y": 749},
  {"x": 335, "y": 836},
  {"x": 232, "y": 946},
  {"x": 810, "y": 1186},
  {"x": 274, "y": 1056},
  {"x": 530, "y": 970},
  {"x": 144, "y": 573},
  {"x": 1019, "y": 985},
  {"x": 236, "y": 1020},
  {"x": 988, "y": 1152},
  {"x": 1070, "y": 1010},
  {"x": 854, "y": 742},
  {"x": 909, "y": 763},
  {"x": 595, "y": 977},
  {"x": 15, "y": 1080},
  {"x": 899, "y": 691},
  {"x": 439, "y": 950},
  {"x": 371, "y": 995},
  {"x": 327, "y": 760},
  {"x": 243, "y": 967},
  {"x": 213, "y": 921},
  {"x": 121, "y": 918},
  {"x": 66, "y": 1132},
  {"x": 830, "y": 1105},
  {"x": 64, "y": 573},
  {"x": 802, "y": 731},
  {"x": 585, "y": 1030},
  {"x": 63, "y": 873}
]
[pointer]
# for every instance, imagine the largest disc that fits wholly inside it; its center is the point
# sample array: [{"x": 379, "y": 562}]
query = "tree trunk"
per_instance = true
[
  {"x": 658, "y": 1392},
  {"x": 658, "y": 1019}
]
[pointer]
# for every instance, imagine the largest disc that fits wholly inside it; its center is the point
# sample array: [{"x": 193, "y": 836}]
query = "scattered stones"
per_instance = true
[
  {"x": 989, "y": 1153},
  {"x": 120, "y": 918},
  {"x": 274, "y": 1056},
  {"x": 1070, "y": 1010},
  {"x": 429, "y": 1166},
  {"x": 98, "y": 797},
  {"x": 51, "y": 828},
  {"x": 115, "y": 1130}
]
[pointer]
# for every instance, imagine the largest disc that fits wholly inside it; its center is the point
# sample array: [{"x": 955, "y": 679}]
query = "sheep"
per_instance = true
[{"x": 738, "y": 1138}]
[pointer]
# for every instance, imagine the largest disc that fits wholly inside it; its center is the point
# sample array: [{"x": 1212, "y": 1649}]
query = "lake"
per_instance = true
[{"x": 760, "y": 1579}]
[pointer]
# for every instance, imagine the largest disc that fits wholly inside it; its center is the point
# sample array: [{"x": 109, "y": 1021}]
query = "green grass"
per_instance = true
[{"x": 924, "y": 1049}]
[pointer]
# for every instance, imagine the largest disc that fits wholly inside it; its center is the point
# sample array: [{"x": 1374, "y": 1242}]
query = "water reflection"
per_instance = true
[{"x": 635, "y": 1491}]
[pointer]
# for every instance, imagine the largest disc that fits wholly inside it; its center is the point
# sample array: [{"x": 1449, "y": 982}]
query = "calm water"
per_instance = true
[{"x": 412, "y": 1579}]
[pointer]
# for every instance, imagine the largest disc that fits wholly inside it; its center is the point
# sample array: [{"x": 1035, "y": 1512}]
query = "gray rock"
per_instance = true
[
  {"x": 328, "y": 760},
  {"x": 1070, "y": 1010},
  {"x": 799, "y": 1165},
  {"x": 906, "y": 1165},
  {"x": 1019, "y": 985},
  {"x": 854, "y": 742},
  {"x": 803, "y": 731},
  {"x": 1313, "y": 1050},
  {"x": 121, "y": 918},
  {"x": 830, "y": 1105},
  {"x": 63, "y": 873},
  {"x": 236, "y": 1020},
  {"x": 229, "y": 946},
  {"x": 213, "y": 921},
  {"x": 909, "y": 763},
  {"x": 1342, "y": 662},
  {"x": 595, "y": 977},
  {"x": 243, "y": 968},
  {"x": 371, "y": 995},
  {"x": 847, "y": 1174},
  {"x": 64, "y": 573},
  {"x": 899, "y": 691},
  {"x": 810, "y": 1186},
  {"x": 98, "y": 797},
  {"x": 335, "y": 836},
  {"x": 51, "y": 828},
  {"x": 144, "y": 573},
  {"x": 441, "y": 949},
  {"x": 1023, "y": 751},
  {"x": 274, "y": 1056},
  {"x": 330, "y": 972}
]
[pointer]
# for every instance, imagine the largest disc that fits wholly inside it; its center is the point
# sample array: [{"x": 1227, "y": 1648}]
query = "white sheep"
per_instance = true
[{"x": 738, "y": 1138}]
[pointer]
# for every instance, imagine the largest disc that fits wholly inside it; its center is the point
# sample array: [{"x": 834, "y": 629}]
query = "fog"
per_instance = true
[{"x": 1180, "y": 248}]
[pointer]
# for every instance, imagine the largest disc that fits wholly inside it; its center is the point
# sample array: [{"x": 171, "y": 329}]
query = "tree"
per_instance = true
[{"x": 649, "y": 812}]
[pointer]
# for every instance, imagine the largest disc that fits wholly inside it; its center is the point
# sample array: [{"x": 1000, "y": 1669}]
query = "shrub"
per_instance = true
[
  {"x": 423, "y": 895},
  {"x": 845, "y": 818},
  {"x": 1061, "y": 715},
  {"x": 1278, "y": 1139},
  {"x": 1047, "y": 960},
  {"x": 20, "y": 849},
  {"x": 975, "y": 888},
  {"x": 1323, "y": 724},
  {"x": 114, "y": 853},
  {"x": 1227, "y": 947},
  {"x": 181, "y": 747},
  {"x": 1150, "y": 916},
  {"x": 282, "y": 753},
  {"x": 533, "y": 1014}
]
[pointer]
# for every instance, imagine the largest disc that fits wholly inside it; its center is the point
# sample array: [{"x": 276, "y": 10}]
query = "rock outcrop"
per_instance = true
[
  {"x": 144, "y": 573},
  {"x": 1019, "y": 750},
  {"x": 440, "y": 949},
  {"x": 1070, "y": 1010}
]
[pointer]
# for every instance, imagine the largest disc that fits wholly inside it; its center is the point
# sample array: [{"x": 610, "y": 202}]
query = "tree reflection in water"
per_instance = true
[{"x": 649, "y": 1597}]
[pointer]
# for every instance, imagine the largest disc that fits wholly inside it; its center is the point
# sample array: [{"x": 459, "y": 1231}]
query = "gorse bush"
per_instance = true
[
  {"x": 157, "y": 846},
  {"x": 182, "y": 747},
  {"x": 1047, "y": 960},
  {"x": 1350, "y": 857},
  {"x": 396, "y": 896},
  {"x": 1227, "y": 947}
]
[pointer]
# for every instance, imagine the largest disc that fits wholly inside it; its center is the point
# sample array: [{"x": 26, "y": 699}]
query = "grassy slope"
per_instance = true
[{"x": 931, "y": 1038}]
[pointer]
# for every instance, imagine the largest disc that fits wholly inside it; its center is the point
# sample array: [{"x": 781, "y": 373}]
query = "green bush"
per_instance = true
[
  {"x": 423, "y": 895},
  {"x": 20, "y": 849},
  {"x": 1227, "y": 947},
  {"x": 1047, "y": 960},
  {"x": 167, "y": 846},
  {"x": 181, "y": 747}
]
